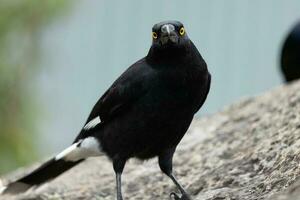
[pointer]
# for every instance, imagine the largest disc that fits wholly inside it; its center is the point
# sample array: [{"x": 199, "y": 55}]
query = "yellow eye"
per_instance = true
[
  {"x": 181, "y": 31},
  {"x": 154, "y": 35}
]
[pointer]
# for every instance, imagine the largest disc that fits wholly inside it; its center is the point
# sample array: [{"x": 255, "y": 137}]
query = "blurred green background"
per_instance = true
[
  {"x": 58, "y": 57},
  {"x": 20, "y": 24}
]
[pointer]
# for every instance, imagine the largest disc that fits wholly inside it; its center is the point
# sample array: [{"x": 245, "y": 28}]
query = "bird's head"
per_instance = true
[{"x": 169, "y": 34}]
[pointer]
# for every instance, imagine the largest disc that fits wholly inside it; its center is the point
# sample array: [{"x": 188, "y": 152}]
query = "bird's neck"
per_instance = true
[
  {"x": 185, "y": 55},
  {"x": 158, "y": 55}
]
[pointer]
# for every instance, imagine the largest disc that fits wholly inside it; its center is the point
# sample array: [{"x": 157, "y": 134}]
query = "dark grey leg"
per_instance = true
[
  {"x": 118, "y": 165},
  {"x": 166, "y": 164},
  {"x": 184, "y": 195},
  {"x": 119, "y": 189}
]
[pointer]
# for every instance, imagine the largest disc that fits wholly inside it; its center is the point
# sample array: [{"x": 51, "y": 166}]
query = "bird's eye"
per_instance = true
[
  {"x": 154, "y": 35},
  {"x": 181, "y": 31}
]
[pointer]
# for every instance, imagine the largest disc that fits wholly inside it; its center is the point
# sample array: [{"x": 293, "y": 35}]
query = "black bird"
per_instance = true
[
  {"x": 144, "y": 114},
  {"x": 290, "y": 55}
]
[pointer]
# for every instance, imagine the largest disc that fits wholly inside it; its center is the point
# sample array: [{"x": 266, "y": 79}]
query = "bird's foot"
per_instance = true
[{"x": 184, "y": 196}]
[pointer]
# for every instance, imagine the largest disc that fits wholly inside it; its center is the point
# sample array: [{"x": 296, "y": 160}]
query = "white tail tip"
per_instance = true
[{"x": 2, "y": 187}]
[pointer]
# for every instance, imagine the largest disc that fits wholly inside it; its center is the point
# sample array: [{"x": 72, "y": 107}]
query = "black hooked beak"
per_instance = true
[{"x": 168, "y": 34}]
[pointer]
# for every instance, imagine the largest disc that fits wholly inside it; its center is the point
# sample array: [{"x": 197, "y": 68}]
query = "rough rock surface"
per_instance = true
[{"x": 248, "y": 151}]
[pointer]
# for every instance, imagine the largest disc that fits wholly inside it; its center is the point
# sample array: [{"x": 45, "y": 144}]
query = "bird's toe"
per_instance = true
[{"x": 175, "y": 196}]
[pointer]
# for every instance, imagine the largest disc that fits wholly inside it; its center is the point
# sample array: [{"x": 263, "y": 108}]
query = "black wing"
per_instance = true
[{"x": 123, "y": 93}]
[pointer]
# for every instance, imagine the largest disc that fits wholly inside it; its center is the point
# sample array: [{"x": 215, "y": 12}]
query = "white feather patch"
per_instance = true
[
  {"x": 88, "y": 147},
  {"x": 67, "y": 151},
  {"x": 91, "y": 124},
  {"x": 2, "y": 187}
]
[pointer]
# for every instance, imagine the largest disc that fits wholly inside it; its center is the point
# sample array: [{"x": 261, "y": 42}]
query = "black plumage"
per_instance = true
[
  {"x": 146, "y": 111},
  {"x": 290, "y": 55}
]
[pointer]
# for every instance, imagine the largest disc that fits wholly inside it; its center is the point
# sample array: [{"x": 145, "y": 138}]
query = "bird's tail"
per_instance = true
[
  {"x": 44, "y": 173},
  {"x": 64, "y": 161}
]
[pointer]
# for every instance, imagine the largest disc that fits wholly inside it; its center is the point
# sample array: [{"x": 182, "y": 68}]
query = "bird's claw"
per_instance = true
[{"x": 184, "y": 196}]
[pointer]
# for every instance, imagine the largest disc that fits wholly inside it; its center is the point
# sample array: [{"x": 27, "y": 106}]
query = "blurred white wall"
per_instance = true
[{"x": 85, "y": 51}]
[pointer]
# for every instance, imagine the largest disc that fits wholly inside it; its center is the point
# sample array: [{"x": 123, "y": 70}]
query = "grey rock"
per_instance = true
[{"x": 248, "y": 151}]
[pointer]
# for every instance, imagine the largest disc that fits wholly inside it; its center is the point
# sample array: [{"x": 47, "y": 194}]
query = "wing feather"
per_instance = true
[{"x": 123, "y": 93}]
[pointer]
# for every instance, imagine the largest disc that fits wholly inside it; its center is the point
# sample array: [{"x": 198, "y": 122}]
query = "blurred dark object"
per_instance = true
[
  {"x": 290, "y": 55},
  {"x": 20, "y": 24}
]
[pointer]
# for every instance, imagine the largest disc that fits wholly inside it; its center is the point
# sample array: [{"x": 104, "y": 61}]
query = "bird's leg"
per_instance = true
[
  {"x": 166, "y": 165},
  {"x": 118, "y": 165},
  {"x": 119, "y": 189},
  {"x": 184, "y": 195}
]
